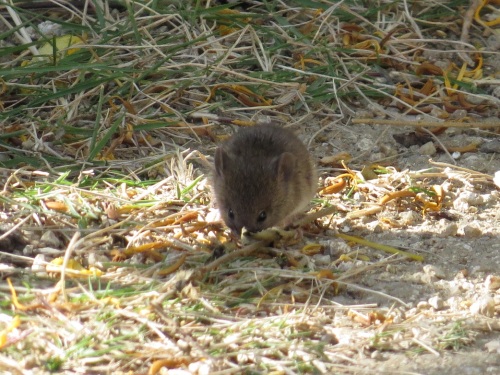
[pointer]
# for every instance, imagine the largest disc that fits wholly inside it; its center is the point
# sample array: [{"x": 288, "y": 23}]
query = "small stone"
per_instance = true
[
  {"x": 365, "y": 144},
  {"x": 377, "y": 156},
  {"x": 97, "y": 260},
  {"x": 405, "y": 344},
  {"x": 38, "y": 265},
  {"x": 50, "y": 239},
  {"x": 474, "y": 99},
  {"x": 472, "y": 230},
  {"x": 473, "y": 199},
  {"x": 491, "y": 147},
  {"x": 329, "y": 339},
  {"x": 475, "y": 162},
  {"x": 29, "y": 251},
  {"x": 28, "y": 144},
  {"x": 493, "y": 42},
  {"x": 493, "y": 346},
  {"x": 489, "y": 199},
  {"x": 415, "y": 277},
  {"x": 496, "y": 178},
  {"x": 492, "y": 283},
  {"x": 213, "y": 216},
  {"x": 321, "y": 260},
  {"x": 183, "y": 345},
  {"x": 411, "y": 312},
  {"x": 459, "y": 114},
  {"x": 409, "y": 218},
  {"x": 435, "y": 271},
  {"x": 436, "y": 303},
  {"x": 427, "y": 149},
  {"x": 374, "y": 227},
  {"x": 376, "y": 355},
  {"x": 448, "y": 230},
  {"x": 204, "y": 369},
  {"x": 484, "y": 306},
  {"x": 467, "y": 200},
  {"x": 50, "y": 29},
  {"x": 428, "y": 279}
]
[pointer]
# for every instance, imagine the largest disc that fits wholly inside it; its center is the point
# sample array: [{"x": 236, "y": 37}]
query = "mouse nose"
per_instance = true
[{"x": 235, "y": 231}]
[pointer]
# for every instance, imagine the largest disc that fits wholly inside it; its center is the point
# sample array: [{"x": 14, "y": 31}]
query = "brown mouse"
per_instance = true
[{"x": 263, "y": 176}]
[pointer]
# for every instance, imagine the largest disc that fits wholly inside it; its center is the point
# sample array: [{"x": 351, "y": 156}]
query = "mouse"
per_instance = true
[{"x": 263, "y": 176}]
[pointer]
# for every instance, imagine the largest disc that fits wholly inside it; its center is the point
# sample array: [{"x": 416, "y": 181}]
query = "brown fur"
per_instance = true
[{"x": 264, "y": 175}]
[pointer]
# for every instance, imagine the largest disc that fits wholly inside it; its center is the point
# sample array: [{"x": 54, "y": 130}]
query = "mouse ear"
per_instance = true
[
  {"x": 221, "y": 161},
  {"x": 285, "y": 165}
]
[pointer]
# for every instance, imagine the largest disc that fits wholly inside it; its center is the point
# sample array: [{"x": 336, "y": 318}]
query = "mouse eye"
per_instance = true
[
  {"x": 230, "y": 213},
  {"x": 262, "y": 216}
]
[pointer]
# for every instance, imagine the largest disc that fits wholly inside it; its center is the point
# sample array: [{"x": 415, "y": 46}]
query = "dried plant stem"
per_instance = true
[{"x": 246, "y": 251}]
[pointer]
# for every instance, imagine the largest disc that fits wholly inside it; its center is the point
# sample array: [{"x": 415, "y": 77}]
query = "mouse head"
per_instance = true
[{"x": 252, "y": 192}]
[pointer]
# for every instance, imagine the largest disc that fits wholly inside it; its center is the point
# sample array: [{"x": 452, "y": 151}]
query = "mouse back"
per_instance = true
[{"x": 262, "y": 175}]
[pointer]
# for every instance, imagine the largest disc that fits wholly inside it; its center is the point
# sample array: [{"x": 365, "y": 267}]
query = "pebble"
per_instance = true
[
  {"x": 376, "y": 355},
  {"x": 321, "y": 260},
  {"x": 493, "y": 346},
  {"x": 409, "y": 218},
  {"x": 492, "y": 283},
  {"x": 454, "y": 303},
  {"x": 427, "y": 149},
  {"x": 491, "y": 147},
  {"x": 375, "y": 227},
  {"x": 493, "y": 42},
  {"x": 471, "y": 198},
  {"x": 38, "y": 265},
  {"x": 329, "y": 339},
  {"x": 484, "y": 306},
  {"x": 472, "y": 230},
  {"x": 29, "y": 251},
  {"x": 447, "y": 229},
  {"x": 433, "y": 270},
  {"x": 436, "y": 303},
  {"x": 50, "y": 239},
  {"x": 427, "y": 278},
  {"x": 467, "y": 201},
  {"x": 365, "y": 144},
  {"x": 477, "y": 163},
  {"x": 199, "y": 368}
]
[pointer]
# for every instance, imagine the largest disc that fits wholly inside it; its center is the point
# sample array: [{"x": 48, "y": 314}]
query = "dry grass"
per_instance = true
[{"x": 101, "y": 154}]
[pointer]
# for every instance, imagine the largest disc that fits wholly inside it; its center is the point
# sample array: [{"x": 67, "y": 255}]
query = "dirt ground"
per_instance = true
[{"x": 461, "y": 250}]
